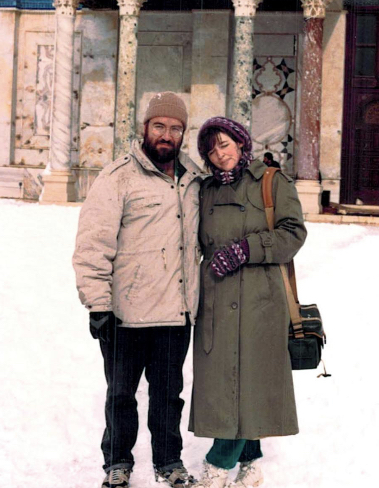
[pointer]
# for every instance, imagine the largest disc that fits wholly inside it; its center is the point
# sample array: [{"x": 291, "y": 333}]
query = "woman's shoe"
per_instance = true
[
  {"x": 249, "y": 475},
  {"x": 212, "y": 477}
]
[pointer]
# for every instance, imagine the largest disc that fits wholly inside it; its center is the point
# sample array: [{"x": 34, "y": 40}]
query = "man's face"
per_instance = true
[{"x": 163, "y": 139}]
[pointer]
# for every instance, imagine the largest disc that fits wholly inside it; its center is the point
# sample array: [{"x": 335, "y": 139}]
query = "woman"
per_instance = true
[{"x": 243, "y": 388}]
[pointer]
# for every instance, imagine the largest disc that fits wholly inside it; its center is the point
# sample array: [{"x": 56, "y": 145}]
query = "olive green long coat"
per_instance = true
[{"x": 243, "y": 385}]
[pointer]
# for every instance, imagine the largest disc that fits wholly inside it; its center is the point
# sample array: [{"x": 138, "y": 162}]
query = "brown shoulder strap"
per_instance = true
[
  {"x": 267, "y": 186},
  {"x": 288, "y": 272},
  {"x": 269, "y": 209},
  {"x": 267, "y": 195}
]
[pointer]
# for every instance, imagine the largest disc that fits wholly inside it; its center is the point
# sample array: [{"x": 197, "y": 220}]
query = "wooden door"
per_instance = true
[
  {"x": 360, "y": 146},
  {"x": 366, "y": 160}
]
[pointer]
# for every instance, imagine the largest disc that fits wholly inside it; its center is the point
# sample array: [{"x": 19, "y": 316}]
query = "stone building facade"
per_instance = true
[{"x": 76, "y": 81}]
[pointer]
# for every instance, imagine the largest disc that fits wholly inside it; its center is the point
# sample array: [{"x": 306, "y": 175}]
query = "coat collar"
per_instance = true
[
  {"x": 257, "y": 169},
  {"x": 191, "y": 168}
]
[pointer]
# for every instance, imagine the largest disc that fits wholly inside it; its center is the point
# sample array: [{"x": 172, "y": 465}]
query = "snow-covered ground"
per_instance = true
[{"x": 53, "y": 388}]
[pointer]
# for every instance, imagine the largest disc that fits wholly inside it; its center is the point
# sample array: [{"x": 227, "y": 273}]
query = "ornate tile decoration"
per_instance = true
[
  {"x": 274, "y": 108},
  {"x": 28, "y": 4}
]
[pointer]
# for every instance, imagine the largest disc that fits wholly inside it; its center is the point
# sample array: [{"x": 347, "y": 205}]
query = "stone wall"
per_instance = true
[
  {"x": 186, "y": 52},
  {"x": 25, "y": 149},
  {"x": 98, "y": 31}
]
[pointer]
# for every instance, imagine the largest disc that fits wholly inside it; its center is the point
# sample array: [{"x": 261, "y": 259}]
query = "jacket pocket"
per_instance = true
[
  {"x": 144, "y": 217},
  {"x": 262, "y": 293},
  {"x": 149, "y": 202}
]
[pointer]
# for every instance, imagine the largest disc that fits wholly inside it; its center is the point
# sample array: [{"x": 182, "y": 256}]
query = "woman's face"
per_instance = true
[{"x": 226, "y": 153}]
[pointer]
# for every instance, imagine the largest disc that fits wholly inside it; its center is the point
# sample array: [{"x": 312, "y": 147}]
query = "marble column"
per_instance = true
[
  {"x": 59, "y": 182},
  {"x": 126, "y": 76},
  {"x": 243, "y": 56},
  {"x": 308, "y": 164}
]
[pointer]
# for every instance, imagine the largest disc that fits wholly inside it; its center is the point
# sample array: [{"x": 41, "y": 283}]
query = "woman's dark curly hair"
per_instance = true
[
  {"x": 208, "y": 140},
  {"x": 210, "y": 131}
]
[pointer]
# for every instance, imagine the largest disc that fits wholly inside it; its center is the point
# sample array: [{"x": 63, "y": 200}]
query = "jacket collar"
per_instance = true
[
  {"x": 191, "y": 168},
  {"x": 257, "y": 169}
]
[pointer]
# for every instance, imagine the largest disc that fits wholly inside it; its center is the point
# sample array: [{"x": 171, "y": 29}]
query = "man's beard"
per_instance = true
[{"x": 160, "y": 155}]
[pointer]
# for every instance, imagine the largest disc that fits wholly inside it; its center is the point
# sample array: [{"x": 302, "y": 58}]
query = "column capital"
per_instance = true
[
  {"x": 66, "y": 7},
  {"x": 245, "y": 8},
  {"x": 130, "y": 7},
  {"x": 315, "y": 9}
]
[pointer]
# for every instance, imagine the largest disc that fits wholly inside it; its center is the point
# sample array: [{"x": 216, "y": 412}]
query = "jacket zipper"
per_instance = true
[{"x": 183, "y": 249}]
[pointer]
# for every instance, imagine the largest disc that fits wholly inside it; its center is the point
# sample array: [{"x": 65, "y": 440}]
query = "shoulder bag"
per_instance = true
[{"x": 306, "y": 334}]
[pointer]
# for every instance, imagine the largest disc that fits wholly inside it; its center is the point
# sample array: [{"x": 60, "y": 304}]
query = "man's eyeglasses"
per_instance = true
[{"x": 160, "y": 129}]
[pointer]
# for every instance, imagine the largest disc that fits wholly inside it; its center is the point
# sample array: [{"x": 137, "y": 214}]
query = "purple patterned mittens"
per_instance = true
[{"x": 229, "y": 258}]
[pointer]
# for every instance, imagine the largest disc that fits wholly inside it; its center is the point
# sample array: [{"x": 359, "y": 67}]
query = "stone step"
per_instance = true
[{"x": 11, "y": 182}]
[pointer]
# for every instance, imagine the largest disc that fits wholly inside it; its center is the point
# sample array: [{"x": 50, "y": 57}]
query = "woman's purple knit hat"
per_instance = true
[{"x": 224, "y": 124}]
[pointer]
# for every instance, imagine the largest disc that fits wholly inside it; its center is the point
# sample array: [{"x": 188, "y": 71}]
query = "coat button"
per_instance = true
[
  {"x": 236, "y": 239},
  {"x": 242, "y": 208},
  {"x": 234, "y": 305},
  {"x": 211, "y": 211},
  {"x": 211, "y": 241}
]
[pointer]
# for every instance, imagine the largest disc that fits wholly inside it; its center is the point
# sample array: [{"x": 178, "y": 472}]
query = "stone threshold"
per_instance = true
[
  {"x": 342, "y": 219},
  {"x": 62, "y": 204},
  {"x": 350, "y": 209}
]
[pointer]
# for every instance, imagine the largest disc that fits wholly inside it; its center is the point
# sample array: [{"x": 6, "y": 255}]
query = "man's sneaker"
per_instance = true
[
  {"x": 175, "y": 477},
  {"x": 117, "y": 478},
  {"x": 249, "y": 475},
  {"x": 213, "y": 477}
]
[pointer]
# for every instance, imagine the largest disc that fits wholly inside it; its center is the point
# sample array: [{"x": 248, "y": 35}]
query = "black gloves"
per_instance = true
[{"x": 102, "y": 325}]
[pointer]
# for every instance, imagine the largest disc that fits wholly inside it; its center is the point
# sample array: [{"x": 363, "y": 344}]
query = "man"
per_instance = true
[
  {"x": 268, "y": 159},
  {"x": 137, "y": 264}
]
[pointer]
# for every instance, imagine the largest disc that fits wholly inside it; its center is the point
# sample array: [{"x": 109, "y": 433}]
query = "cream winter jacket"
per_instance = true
[{"x": 137, "y": 249}]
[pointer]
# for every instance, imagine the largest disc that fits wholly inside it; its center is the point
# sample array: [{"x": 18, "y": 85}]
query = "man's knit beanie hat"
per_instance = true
[
  {"x": 233, "y": 127},
  {"x": 167, "y": 104}
]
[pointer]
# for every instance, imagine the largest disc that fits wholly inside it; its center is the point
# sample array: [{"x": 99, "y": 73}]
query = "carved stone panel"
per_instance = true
[{"x": 34, "y": 94}]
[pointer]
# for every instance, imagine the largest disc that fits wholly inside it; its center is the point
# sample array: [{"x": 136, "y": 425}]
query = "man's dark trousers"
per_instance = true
[{"x": 161, "y": 351}]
